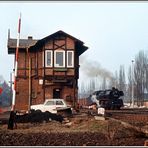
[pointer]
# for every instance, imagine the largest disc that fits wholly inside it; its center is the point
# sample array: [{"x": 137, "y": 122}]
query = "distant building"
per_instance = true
[{"x": 53, "y": 70}]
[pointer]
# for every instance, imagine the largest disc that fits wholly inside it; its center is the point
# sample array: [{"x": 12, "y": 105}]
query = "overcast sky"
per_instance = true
[{"x": 114, "y": 31}]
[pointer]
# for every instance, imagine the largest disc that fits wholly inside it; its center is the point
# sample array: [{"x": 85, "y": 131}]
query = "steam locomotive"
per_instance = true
[{"x": 108, "y": 99}]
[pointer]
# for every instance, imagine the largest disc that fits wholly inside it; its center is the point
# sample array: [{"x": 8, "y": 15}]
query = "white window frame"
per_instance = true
[
  {"x": 46, "y": 51},
  {"x": 56, "y": 51},
  {"x": 72, "y": 59}
]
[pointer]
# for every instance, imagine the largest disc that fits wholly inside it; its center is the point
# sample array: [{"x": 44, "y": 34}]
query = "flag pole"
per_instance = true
[{"x": 16, "y": 65}]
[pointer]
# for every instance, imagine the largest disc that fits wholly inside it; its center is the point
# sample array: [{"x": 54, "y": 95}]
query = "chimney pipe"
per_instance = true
[{"x": 30, "y": 37}]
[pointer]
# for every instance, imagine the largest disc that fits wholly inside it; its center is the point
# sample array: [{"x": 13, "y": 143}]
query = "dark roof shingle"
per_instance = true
[{"x": 23, "y": 44}]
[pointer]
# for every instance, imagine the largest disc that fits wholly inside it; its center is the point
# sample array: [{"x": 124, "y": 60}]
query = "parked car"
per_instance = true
[{"x": 53, "y": 106}]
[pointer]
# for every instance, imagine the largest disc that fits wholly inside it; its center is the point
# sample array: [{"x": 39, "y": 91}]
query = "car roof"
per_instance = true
[{"x": 53, "y": 99}]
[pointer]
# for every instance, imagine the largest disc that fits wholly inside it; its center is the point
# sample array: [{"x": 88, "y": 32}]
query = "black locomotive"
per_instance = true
[{"x": 109, "y": 99}]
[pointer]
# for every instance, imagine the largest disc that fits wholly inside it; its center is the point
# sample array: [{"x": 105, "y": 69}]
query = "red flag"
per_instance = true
[{"x": 1, "y": 90}]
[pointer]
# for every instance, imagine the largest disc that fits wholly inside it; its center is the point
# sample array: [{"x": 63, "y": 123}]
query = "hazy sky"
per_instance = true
[{"x": 113, "y": 31}]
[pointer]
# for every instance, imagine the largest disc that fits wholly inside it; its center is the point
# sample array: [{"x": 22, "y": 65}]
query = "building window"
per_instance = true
[
  {"x": 48, "y": 59},
  {"x": 59, "y": 59},
  {"x": 70, "y": 59}
]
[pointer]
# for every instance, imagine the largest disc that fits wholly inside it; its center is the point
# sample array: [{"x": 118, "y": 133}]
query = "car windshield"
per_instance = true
[{"x": 49, "y": 103}]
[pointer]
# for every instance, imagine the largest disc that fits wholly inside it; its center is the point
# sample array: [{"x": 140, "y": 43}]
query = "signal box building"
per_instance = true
[{"x": 47, "y": 68}]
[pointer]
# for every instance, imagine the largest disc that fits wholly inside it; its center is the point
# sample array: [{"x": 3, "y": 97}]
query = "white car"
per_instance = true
[{"x": 51, "y": 105}]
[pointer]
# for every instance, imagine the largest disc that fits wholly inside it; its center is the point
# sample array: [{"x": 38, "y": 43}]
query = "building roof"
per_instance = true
[
  {"x": 23, "y": 44},
  {"x": 36, "y": 44}
]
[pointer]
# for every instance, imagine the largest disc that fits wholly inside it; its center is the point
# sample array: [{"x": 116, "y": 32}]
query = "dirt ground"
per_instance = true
[{"x": 76, "y": 131}]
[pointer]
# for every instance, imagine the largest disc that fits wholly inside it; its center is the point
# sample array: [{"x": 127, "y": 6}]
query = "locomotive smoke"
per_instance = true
[{"x": 93, "y": 69}]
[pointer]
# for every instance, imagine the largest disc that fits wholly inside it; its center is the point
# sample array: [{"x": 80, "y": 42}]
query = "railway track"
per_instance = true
[
  {"x": 130, "y": 111},
  {"x": 130, "y": 115}
]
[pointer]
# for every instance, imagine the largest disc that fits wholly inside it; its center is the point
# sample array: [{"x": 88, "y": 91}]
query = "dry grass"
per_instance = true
[{"x": 81, "y": 131}]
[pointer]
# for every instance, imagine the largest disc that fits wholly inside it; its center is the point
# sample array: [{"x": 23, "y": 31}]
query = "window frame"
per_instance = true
[
  {"x": 46, "y": 65},
  {"x": 72, "y": 59},
  {"x": 55, "y": 65}
]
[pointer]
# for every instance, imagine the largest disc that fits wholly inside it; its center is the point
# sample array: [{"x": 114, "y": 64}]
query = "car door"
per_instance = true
[{"x": 50, "y": 106}]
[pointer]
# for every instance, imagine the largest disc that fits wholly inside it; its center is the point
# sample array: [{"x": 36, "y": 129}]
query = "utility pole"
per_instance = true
[{"x": 132, "y": 83}]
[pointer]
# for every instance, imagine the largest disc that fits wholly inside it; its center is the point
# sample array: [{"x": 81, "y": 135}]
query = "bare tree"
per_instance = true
[
  {"x": 122, "y": 78},
  {"x": 82, "y": 90},
  {"x": 92, "y": 85},
  {"x": 112, "y": 82},
  {"x": 116, "y": 80},
  {"x": 104, "y": 83},
  {"x": 140, "y": 75}
]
